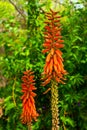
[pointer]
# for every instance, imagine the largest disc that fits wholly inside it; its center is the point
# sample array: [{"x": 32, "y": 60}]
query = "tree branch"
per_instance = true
[{"x": 18, "y": 10}]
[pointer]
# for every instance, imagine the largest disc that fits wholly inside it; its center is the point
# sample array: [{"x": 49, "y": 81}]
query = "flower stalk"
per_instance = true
[
  {"x": 54, "y": 106},
  {"x": 54, "y": 69},
  {"x": 29, "y": 126}
]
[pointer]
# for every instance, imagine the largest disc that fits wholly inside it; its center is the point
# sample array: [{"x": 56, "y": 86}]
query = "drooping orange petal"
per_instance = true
[
  {"x": 55, "y": 59},
  {"x": 51, "y": 66},
  {"x": 47, "y": 91},
  {"x": 48, "y": 57},
  {"x": 45, "y": 50},
  {"x": 52, "y": 51}
]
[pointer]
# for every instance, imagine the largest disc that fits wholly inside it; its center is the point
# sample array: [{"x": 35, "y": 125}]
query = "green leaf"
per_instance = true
[
  {"x": 8, "y": 108},
  {"x": 67, "y": 121}
]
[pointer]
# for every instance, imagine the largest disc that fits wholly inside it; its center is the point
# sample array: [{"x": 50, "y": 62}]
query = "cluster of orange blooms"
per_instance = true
[
  {"x": 28, "y": 103},
  {"x": 54, "y": 68}
]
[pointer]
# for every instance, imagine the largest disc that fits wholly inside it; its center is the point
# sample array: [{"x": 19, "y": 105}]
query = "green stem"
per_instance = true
[
  {"x": 13, "y": 94},
  {"x": 54, "y": 106}
]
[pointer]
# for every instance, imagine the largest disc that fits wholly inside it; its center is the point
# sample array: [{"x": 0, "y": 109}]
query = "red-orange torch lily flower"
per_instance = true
[
  {"x": 54, "y": 68},
  {"x": 29, "y": 111}
]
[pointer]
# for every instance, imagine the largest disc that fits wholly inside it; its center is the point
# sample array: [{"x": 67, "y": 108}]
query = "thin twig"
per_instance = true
[
  {"x": 19, "y": 11},
  {"x": 64, "y": 127},
  {"x": 13, "y": 96}
]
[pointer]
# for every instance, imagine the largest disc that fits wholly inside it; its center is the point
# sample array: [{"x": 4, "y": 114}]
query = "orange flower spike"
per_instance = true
[
  {"x": 52, "y": 44},
  {"x": 29, "y": 111}
]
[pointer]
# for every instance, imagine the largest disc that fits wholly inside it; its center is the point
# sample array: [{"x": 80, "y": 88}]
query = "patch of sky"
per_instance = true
[{"x": 77, "y": 4}]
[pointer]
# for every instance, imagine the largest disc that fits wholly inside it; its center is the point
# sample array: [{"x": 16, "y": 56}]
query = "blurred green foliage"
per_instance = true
[
  {"x": 6, "y": 9},
  {"x": 20, "y": 49}
]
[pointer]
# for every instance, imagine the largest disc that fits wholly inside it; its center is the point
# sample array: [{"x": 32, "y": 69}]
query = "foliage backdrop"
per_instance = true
[{"x": 21, "y": 38}]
